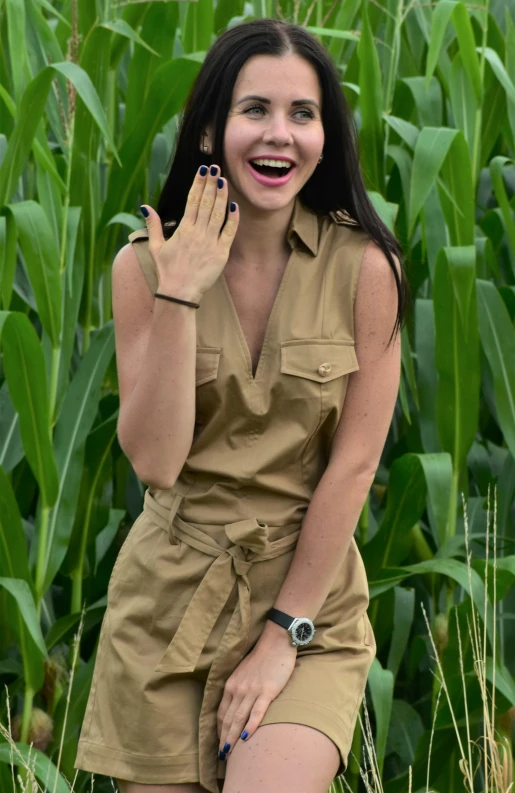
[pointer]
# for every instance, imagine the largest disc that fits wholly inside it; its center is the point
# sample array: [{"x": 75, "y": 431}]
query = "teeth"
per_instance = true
[{"x": 273, "y": 163}]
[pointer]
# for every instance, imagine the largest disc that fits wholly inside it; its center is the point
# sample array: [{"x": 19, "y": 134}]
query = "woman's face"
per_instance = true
[{"x": 275, "y": 115}]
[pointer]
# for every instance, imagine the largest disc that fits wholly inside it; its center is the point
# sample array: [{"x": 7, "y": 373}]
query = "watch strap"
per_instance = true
[{"x": 283, "y": 619}]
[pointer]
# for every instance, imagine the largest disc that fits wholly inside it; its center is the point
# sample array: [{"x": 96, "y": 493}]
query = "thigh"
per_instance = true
[
  {"x": 136, "y": 787},
  {"x": 282, "y": 758}
]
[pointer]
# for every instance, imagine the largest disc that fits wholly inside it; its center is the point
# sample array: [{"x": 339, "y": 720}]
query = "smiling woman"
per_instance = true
[{"x": 236, "y": 644}]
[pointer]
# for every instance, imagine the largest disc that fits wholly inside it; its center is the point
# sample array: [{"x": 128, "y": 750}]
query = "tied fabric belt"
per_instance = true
[{"x": 250, "y": 545}]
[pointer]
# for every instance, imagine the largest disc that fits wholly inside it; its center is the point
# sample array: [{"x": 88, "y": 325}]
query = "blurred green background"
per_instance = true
[{"x": 90, "y": 98}]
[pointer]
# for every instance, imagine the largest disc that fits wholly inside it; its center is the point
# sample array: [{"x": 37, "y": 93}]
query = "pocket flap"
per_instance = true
[
  {"x": 320, "y": 360},
  {"x": 206, "y": 364}
]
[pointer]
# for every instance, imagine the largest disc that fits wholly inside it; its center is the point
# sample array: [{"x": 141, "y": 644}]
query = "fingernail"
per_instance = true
[
  {"x": 226, "y": 747},
  {"x": 213, "y": 170},
  {"x": 144, "y": 211},
  {"x": 220, "y": 183},
  {"x": 203, "y": 170},
  {"x": 221, "y": 755},
  {"x": 244, "y": 734},
  {"x": 233, "y": 206}
]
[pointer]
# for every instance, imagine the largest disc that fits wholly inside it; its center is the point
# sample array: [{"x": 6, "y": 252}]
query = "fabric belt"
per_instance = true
[{"x": 250, "y": 545}]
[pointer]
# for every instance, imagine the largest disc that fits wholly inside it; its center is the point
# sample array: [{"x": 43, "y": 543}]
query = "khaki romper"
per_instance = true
[{"x": 205, "y": 560}]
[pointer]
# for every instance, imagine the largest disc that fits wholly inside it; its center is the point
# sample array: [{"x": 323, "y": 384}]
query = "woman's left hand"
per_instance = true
[{"x": 255, "y": 682}]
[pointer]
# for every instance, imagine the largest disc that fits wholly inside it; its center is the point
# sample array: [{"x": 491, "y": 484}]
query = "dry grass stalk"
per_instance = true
[{"x": 32, "y": 785}]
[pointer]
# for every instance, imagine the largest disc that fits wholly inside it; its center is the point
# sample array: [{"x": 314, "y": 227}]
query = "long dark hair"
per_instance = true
[{"x": 336, "y": 184}]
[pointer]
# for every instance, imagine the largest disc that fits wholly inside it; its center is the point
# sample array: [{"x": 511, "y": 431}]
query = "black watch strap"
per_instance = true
[{"x": 280, "y": 617}]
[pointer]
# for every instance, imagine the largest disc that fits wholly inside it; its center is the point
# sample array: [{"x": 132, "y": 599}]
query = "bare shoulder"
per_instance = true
[
  {"x": 375, "y": 308},
  {"x": 128, "y": 281}
]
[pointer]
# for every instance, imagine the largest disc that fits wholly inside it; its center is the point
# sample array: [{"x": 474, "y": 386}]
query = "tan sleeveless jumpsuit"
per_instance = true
[{"x": 205, "y": 560}]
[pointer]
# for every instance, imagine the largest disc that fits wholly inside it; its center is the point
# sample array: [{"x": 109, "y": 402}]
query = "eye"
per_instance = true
[
  {"x": 305, "y": 110},
  {"x": 254, "y": 107}
]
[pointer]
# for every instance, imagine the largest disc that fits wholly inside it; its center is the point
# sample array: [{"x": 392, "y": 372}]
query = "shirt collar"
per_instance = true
[{"x": 304, "y": 224}]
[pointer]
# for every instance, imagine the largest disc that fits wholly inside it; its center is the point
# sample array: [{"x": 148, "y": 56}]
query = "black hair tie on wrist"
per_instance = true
[{"x": 177, "y": 300}]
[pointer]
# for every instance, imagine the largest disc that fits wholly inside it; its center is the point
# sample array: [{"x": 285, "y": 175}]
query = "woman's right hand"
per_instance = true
[{"x": 192, "y": 259}]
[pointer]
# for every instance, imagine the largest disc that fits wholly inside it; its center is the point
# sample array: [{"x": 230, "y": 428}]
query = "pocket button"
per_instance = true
[{"x": 324, "y": 369}]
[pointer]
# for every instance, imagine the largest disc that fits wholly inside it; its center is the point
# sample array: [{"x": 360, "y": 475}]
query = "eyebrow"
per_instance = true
[{"x": 267, "y": 101}]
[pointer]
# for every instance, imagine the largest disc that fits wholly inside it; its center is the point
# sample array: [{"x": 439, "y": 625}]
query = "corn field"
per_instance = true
[{"x": 91, "y": 93}]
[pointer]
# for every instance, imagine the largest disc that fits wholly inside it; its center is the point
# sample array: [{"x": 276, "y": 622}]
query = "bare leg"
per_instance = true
[
  {"x": 282, "y": 758},
  {"x": 136, "y": 787}
]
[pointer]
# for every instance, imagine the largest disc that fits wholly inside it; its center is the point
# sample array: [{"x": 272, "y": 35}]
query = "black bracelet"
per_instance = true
[{"x": 176, "y": 300}]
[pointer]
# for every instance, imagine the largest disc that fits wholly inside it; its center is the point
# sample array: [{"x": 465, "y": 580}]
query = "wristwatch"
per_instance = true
[{"x": 301, "y": 629}]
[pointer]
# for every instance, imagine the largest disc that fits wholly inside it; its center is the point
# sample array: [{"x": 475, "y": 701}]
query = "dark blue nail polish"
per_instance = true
[
  {"x": 144, "y": 211},
  {"x": 226, "y": 747},
  {"x": 203, "y": 170},
  {"x": 221, "y": 755},
  {"x": 233, "y": 206},
  {"x": 220, "y": 183},
  {"x": 213, "y": 170},
  {"x": 244, "y": 734}
]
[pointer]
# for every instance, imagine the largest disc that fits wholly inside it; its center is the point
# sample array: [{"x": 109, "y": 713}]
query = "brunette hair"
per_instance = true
[{"x": 337, "y": 182}]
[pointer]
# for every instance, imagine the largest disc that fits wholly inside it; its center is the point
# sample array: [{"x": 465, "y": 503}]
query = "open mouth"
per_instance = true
[{"x": 271, "y": 168}]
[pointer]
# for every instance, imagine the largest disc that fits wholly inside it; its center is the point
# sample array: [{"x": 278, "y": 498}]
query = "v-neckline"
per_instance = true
[{"x": 237, "y": 323}]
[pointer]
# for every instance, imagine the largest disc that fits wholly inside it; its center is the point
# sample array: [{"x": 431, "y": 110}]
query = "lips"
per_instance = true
[{"x": 272, "y": 181}]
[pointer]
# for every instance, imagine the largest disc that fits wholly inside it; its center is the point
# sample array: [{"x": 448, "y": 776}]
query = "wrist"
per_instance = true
[
  {"x": 275, "y": 635},
  {"x": 182, "y": 292}
]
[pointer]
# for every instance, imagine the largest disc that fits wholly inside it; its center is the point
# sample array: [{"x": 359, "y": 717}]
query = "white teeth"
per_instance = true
[{"x": 273, "y": 163}]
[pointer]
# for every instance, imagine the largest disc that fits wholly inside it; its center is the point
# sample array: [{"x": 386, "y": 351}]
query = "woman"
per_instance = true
[{"x": 236, "y": 645}]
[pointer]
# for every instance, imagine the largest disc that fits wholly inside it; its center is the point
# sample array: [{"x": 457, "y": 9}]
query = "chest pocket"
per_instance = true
[
  {"x": 317, "y": 372},
  {"x": 207, "y": 393},
  {"x": 206, "y": 364}
]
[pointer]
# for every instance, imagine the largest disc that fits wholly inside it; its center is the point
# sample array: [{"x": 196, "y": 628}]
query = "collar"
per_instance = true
[{"x": 304, "y": 223}]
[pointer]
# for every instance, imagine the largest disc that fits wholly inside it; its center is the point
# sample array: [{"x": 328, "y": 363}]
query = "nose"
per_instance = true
[{"x": 277, "y": 130}]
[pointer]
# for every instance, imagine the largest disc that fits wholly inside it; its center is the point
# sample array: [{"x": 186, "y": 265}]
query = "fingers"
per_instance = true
[
  {"x": 241, "y": 720},
  {"x": 217, "y": 216},
  {"x": 213, "y": 185},
  {"x": 154, "y": 227},
  {"x": 229, "y": 230},
  {"x": 195, "y": 195}
]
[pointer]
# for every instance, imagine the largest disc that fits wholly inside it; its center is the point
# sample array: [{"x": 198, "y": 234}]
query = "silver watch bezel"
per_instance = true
[{"x": 296, "y": 622}]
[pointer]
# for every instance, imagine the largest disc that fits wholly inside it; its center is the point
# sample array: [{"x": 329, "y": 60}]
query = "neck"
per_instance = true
[{"x": 261, "y": 238}]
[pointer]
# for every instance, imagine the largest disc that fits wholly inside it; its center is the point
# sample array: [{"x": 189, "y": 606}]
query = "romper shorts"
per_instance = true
[{"x": 186, "y": 603}]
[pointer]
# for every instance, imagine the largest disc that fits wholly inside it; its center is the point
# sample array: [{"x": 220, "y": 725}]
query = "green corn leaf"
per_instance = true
[
  {"x": 198, "y": 27},
  {"x": 43, "y": 768},
  {"x": 404, "y": 610},
  {"x": 123, "y": 28},
  {"x": 77, "y": 415},
  {"x": 380, "y": 682},
  {"x": 432, "y": 147},
  {"x": 21, "y": 592},
  {"x": 371, "y": 104},
  {"x": 497, "y": 336},
  {"x": 404, "y": 507},
  {"x": 11, "y": 447},
  {"x": 456, "y": 351},
  {"x": 26, "y": 376},
  {"x": 41, "y": 255},
  {"x": 337, "y": 34}
]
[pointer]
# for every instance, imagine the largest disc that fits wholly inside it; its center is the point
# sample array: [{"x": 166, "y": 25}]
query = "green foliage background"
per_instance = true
[{"x": 90, "y": 97}]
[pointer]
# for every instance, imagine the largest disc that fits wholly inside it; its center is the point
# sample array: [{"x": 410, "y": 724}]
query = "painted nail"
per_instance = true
[
  {"x": 244, "y": 734},
  {"x": 220, "y": 183},
  {"x": 226, "y": 747},
  {"x": 144, "y": 212},
  {"x": 203, "y": 170},
  {"x": 221, "y": 755},
  {"x": 213, "y": 170},
  {"x": 233, "y": 206}
]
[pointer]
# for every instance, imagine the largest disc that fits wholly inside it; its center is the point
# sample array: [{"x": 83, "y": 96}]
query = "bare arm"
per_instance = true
[
  {"x": 331, "y": 520},
  {"x": 155, "y": 354},
  {"x": 156, "y": 339}
]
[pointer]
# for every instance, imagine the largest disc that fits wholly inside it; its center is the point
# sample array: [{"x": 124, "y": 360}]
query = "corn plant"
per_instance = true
[{"x": 91, "y": 93}]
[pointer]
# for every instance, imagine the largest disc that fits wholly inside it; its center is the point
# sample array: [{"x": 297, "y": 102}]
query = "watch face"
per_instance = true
[{"x": 303, "y": 631}]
